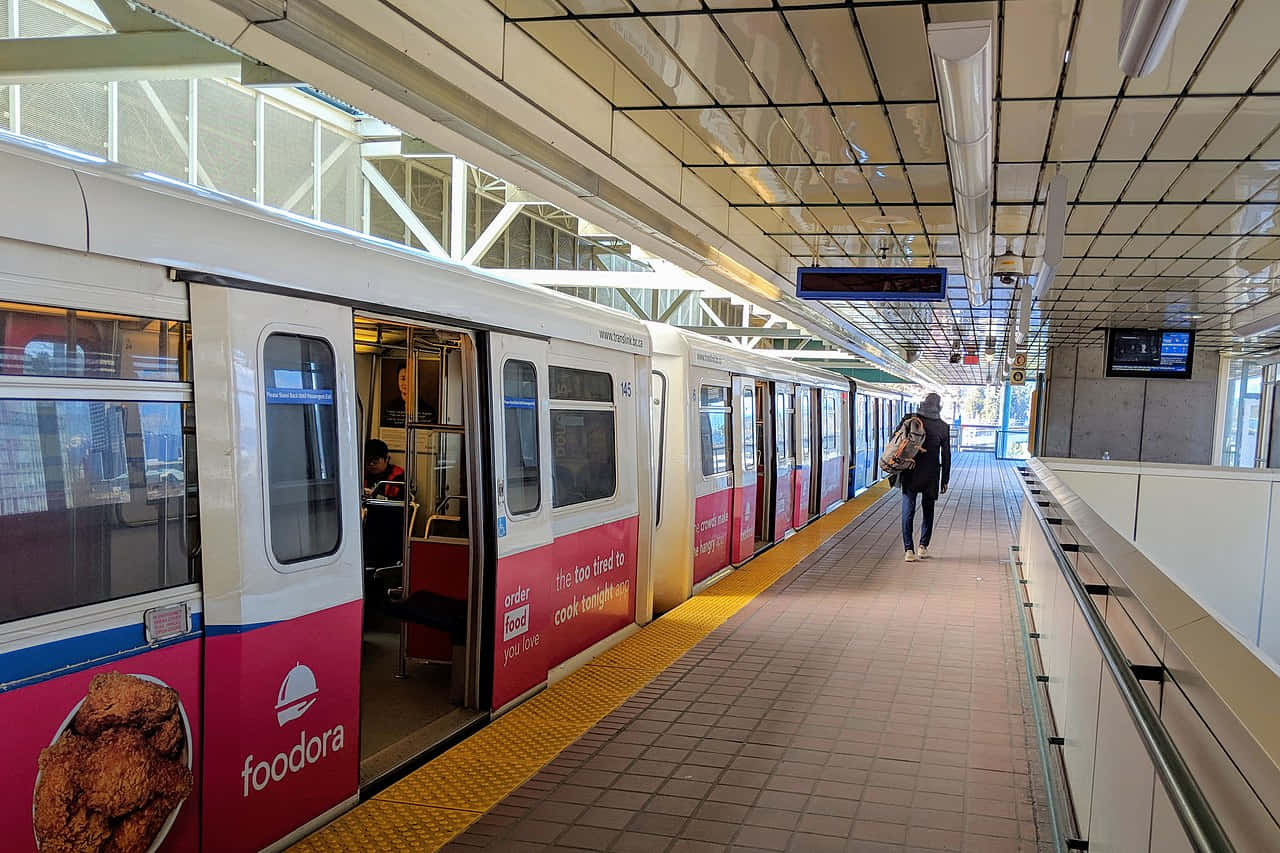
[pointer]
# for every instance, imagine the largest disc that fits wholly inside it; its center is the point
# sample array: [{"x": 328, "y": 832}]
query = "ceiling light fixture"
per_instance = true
[
  {"x": 1055, "y": 229},
  {"x": 1257, "y": 319},
  {"x": 962, "y": 69},
  {"x": 1146, "y": 28}
]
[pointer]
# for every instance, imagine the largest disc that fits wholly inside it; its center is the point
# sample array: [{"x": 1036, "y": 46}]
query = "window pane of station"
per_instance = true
[
  {"x": 520, "y": 419},
  {"x": 97, "y": 501},
  {"x": 588, "y": 386},
  {"x": 301, "y": 447},
  {"x": 715, "y": 396},
  {"x": 714, "y": 427},
  {"x": 583, "y": 448},
  {"x": 40, "y": 341}
]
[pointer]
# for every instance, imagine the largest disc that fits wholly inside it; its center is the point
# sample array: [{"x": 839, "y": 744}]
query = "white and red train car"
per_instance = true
[
  {"x": 188, "y": 384},
  {"x": 752, "y": 448}
]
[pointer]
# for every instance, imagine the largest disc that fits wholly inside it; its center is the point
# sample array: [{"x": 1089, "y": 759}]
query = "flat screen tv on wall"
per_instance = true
[
  {"x": 872, "y": 284},
  {"x": 1150, "y": 353}
]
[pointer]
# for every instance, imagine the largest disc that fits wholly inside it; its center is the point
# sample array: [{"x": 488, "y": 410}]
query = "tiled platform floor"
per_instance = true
[{"x": 860, "y": 704}]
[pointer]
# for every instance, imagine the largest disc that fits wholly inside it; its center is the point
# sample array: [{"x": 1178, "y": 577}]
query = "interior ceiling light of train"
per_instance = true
[{"x": 792, "y": 131}]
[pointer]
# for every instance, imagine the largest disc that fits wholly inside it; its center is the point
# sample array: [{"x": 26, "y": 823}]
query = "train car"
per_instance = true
[
  {"x": 256, "y": 470},
  {"x": 877, "y": 411},
  {"x": 746, "y": 448}
]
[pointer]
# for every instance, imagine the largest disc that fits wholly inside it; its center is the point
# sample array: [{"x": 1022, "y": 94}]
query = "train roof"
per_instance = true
[
  {"x": 61, "y": 198},
  {"x": 705, "y": 351}
]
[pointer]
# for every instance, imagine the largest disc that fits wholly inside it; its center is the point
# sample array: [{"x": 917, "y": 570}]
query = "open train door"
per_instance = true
[
  {"x": 522, "y": 476},
  {"x": 745, "y": 459},
  {"x": 280, "y": 526}
]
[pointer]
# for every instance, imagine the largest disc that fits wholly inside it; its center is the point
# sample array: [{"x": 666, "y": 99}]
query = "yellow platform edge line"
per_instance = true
[{"x": 437, "y": 802}]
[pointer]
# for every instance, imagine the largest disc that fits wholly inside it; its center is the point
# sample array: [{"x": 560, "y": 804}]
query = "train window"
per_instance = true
[
  {"x": 301, "y": 447},
  {"x": 98, "y": 501},
  {"x": 714, "y": 395},
  {"x": 830, "y": 426},
  {"x": 520, "y": 419},
  {"x": 40, "y": 341},
  {"x": 714, "y": 429},
  {"x": 582, "y": 444},
  {"x": 803, "y": 424},
  {"x": 589, "y": 386},
  {"x": 784, "y": 439},
  {"x": 748, "y": 428},
  {"x": 658, "y": 435}
]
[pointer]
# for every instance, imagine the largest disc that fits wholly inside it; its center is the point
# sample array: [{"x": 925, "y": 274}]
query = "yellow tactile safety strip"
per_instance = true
[{"x": 433, "y": 804}]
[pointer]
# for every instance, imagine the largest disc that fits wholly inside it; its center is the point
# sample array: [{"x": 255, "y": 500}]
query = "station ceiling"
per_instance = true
[{"x": 789, "y": 132}]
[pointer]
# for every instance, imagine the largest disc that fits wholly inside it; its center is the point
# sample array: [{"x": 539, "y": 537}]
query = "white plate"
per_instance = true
[{"x": 186, "y": 729}]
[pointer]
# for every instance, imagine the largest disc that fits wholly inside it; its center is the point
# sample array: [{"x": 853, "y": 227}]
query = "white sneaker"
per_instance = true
[
  {"x": 910, "y": 556},
  {"x": 922, "y": 552}
]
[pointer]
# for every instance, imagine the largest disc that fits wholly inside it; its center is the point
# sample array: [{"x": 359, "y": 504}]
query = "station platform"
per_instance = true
[{"x": 826, "y": 697}]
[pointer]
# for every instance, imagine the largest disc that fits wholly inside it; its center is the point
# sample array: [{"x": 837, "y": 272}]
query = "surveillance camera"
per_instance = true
[
  {"x": 955, "y": 358},
  {"x": 1008, "y": 279}
]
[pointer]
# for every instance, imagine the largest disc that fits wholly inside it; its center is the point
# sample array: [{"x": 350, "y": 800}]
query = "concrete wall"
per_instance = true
[{"x": 1139, "y": 420}]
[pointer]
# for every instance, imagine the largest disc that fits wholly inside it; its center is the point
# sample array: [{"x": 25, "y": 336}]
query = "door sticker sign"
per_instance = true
[{"x": 297, "y": 694}]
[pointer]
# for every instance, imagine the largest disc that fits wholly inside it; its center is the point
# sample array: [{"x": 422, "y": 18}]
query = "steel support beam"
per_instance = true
[
  {"x": 458, "y": 209},
  {"x": 634, "y": 306},
  {"x": 675, "y": 305},
  {"x": 491, "y": 233},
  {"x": 124, "y": 17},
  {"x": 760, "y": 332},
  {"x": 402, "y": 209},
  {"x": 120, "y": 56}
]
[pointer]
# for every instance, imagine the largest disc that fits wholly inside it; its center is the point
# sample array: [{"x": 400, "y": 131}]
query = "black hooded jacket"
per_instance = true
[{"x": 933, "y": 462}]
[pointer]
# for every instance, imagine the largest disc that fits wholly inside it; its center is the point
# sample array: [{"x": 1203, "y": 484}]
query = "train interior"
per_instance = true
[{"x": 417, "y": 389}]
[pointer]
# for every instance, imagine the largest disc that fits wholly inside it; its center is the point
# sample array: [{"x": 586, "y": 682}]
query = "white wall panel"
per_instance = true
[
  {"x": 1210, "y": 536},
  {"x": 1112, "y": 496},
  {"x": 1120, "y": 815}
]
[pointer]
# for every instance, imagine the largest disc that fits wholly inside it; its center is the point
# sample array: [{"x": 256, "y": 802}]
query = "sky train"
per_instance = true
[{"x": 187, "y": 386}]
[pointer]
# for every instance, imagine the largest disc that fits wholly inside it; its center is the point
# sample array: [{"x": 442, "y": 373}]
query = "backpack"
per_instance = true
[{"x": 907, "y": 440}]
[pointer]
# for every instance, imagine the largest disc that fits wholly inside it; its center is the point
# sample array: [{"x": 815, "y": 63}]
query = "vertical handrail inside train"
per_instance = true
[{"x": 1204, "y": 832}]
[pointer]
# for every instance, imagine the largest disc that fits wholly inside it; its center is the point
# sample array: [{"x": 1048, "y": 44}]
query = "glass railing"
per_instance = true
[{"x": 990, "y": 438}]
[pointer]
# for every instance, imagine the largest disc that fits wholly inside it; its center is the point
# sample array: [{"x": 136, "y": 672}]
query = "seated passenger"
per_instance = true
[
  {"x": 383, "y": 525},
  {"x": 380, "y": 474}
]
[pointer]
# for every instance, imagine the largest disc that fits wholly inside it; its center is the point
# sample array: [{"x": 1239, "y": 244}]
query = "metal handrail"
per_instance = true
[{"x": 1194, "y": 812}]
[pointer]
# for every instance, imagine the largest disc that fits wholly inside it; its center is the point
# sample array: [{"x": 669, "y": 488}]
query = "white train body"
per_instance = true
[{"x": 186, "y": 382}]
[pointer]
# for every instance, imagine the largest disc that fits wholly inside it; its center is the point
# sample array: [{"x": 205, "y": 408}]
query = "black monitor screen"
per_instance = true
[
  {"x": 1150, "y": 353},
  {"x": 871, "y": 284}
]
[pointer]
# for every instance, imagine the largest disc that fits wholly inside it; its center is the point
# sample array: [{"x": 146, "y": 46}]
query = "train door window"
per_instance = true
[
  {"x": 658, "y": 437},
  {"x": 520, "y": 420},
  {"x": 714, "y": 428},
  {"x": 748, "y": 428},
  {"x": 301, "y": 447},
  {"x": 785, "y": 438},
  {"x": 802, "y": 425},
  {"x": 830, "y": 424},
  {"x": 98, "y": 496},
  {"x": 582, "y": 436}
]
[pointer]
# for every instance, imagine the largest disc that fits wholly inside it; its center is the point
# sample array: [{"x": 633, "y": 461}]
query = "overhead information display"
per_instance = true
[{"x": 872, "y": 284}]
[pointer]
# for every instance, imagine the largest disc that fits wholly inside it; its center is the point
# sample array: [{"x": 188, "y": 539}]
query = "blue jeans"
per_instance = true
[{"x": 909, "y": 519}]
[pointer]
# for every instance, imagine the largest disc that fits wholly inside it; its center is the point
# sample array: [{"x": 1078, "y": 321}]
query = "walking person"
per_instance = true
[{"x": 928, "y": 478}]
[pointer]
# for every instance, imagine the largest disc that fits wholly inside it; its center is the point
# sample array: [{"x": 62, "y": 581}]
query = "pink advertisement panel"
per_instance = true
[
  {"x": 832, "y": 476},
  {"x": 557, "y": 600},
  {"x": 135, "y": 719},
  {"x": 711, "y": 534},
  {"x": 281, "y": 725},
  {"x": 744, "y": 522},
  {"x": 782, "y": 504},
  {"x": 800, "y": 497}
]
